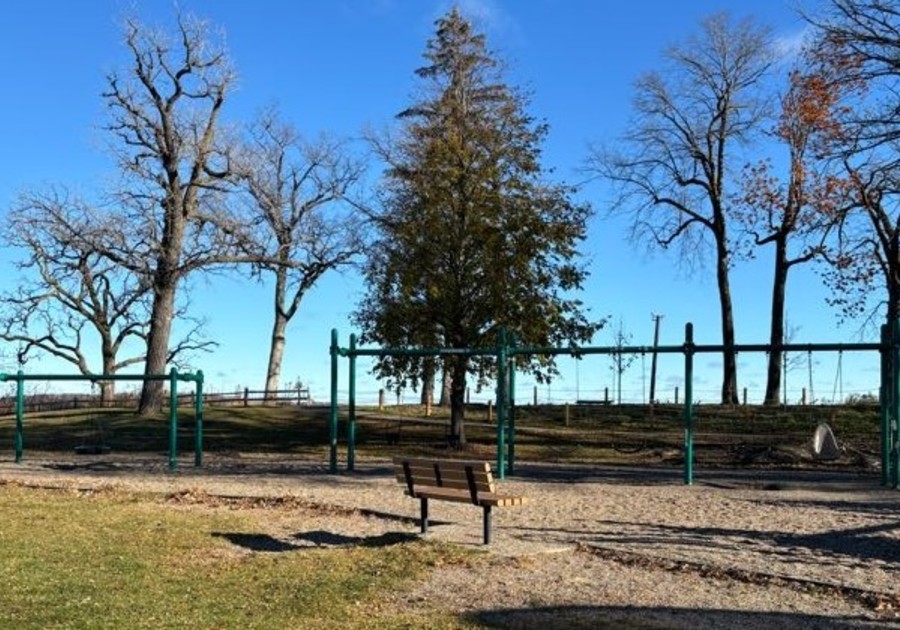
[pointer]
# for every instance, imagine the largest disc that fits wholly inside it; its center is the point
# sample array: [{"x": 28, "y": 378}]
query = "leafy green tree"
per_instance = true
[{"x": 471, "y": 237}]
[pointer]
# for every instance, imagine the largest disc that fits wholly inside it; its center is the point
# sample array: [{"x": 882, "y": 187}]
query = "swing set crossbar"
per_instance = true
[
  {"x": 888, "y": 348},
  {"x": 20, "y": 378}
]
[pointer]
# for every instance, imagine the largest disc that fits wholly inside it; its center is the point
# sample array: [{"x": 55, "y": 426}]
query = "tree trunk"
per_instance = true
[
  {"x": 776, "y": 332},
  {"x": 165, "y": 284},
  {"x": 108, "y": 388},
  {"x": 276, "y": 353},
  {"x": 107, "y": 393},
  {"x": 893, "y": 279},
  {"x": 458, "y": 402},
  {"x": 152, "y": 397},
  {"x": 729, "y": 361},
  {"x": 619, "y": 371},
  {"x": 279, "y": 326},
  {"x": 446, "y": 386},
  {"x": 428, "y": 370}
]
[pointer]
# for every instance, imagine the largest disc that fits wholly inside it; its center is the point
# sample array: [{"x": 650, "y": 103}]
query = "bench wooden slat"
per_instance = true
[
  {"x": 448, "y": 464},
  {"x": 444, "y": 494},
  {"x": 449, "y": 470},
  {"x": 446, "y": 473},
  {"x": 460, "y": 496},
  {"x": 460, "y": 483},
  {"x": 501, "y": 500}
]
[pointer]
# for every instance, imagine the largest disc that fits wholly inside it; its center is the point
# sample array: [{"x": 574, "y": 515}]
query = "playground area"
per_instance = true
[
  {"x": 768, "y": 534},
  {"x": 624, "y": 545},
  {"x": 725, "y": 437}
]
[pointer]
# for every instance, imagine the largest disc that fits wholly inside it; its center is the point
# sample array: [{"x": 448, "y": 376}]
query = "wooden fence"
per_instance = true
[{"x": 37, "y": 403}]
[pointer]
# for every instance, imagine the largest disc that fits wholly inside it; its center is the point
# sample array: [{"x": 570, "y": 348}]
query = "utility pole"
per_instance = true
[{"x": 656, "y": 319}]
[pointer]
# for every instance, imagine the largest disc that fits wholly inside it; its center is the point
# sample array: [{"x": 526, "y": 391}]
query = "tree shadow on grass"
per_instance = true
[
  {"x": 256, "y": 542},
  {"x": 577, "y": 617},
  {"x": 93, "y": 466},
  {"x": 860, "y": 545},
  {"x": 315, "y": 539}
]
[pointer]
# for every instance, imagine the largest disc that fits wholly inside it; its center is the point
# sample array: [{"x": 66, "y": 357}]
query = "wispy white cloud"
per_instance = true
[
  {"x": 788, "y": 46},
  {"x": 488, "y": 16},
  {"x": 485, "y": 13}
]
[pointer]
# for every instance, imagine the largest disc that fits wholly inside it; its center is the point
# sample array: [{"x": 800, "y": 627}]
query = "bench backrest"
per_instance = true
[{"x": 452, "y": 474}]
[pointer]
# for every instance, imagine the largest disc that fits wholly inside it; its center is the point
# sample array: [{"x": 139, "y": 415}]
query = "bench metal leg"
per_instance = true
[
  {"x": 423, "y": 502},
  {"x": 487, "y": 524}
]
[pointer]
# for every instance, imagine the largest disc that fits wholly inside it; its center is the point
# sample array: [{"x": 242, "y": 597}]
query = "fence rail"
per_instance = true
[{"x": 38, "y": 403}]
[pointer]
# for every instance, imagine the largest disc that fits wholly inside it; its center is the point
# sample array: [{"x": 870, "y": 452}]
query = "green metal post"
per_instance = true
[
  {"x": 333, "y": 418},
  {"x": 173, "y": 419},
  {"x": 351, "y": 401},
  {"x": 511, "y": 420},
  {"x": 20, "y": 410},
  {"x": 895, "y": 403},
  {"x": 501, "y": 405},
  {"x": 885, "y": 400},
  {"x": 689, "y": 404},
  {"x": 198, "y": 414}
]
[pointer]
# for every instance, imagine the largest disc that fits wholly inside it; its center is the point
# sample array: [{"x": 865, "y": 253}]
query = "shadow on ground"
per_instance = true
[
  {"x": 311, "y": 539},
  {"x": 578, "y": 617}
]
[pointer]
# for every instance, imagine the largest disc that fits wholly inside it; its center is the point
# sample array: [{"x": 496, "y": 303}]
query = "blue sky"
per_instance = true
[{"x": 345, "y": 65}]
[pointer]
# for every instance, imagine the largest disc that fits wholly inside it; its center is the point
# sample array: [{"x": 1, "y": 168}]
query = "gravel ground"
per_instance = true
[{"x": 633, "y": 548}]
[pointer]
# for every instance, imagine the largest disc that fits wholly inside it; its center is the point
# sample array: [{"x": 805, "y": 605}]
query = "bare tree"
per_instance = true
[
  {"x": 302, "y": 226},
  {"x": 858, "y": 44},
  {"x": 791, "y": 362},
  {"x": 794, "y": 213},
  {"x": 70, "y": 296},
  {"x": 857, "y": 48},
  {"x": 673, "y": 173},
  {"x": 69, "y": 292},
  {"x": 165, "y": 118},
  {"x": 865, "y": 263},
  {"x": 621, "y": 361}
]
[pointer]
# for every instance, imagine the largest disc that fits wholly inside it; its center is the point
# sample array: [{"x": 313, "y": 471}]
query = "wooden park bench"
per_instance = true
[{"x": 452, "y": 480}]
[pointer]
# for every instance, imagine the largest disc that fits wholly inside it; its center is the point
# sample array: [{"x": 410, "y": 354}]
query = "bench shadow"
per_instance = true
[
  {"x": 398, "y": 518},
  {"x": 315, "y": 539},
  {"x": 256, "y": 542},
  {"x": 322, "y": 538}
]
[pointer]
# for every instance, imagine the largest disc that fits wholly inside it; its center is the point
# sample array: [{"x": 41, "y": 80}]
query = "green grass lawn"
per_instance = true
[{"x": 112, "y": 559}]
